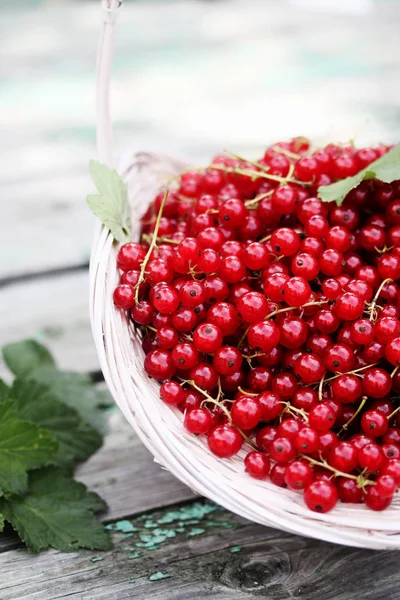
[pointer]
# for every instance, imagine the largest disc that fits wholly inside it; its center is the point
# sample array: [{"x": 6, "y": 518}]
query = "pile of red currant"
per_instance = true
[{"x": 272, "y": 318}]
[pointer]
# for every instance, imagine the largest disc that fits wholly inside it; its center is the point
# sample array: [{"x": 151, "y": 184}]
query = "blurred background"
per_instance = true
[{"x": 190, "y": 78}]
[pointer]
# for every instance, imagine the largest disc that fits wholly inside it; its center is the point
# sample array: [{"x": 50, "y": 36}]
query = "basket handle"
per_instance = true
[{"x": 105, "y": 151}]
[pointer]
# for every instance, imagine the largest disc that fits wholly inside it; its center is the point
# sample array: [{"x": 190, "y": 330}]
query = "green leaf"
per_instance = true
[
  {"x": 386, "y": 168},
  {"x": 34, "y": 402},
  {"x": 110, "y": 205},
  {"x": 56, "y": 512},
  {"x": 23, "y": 357},
  {"x": 1, "y": 523},
  {"x": 78, "y": 391},
  {"x": 4, "y": 391},
  {"x": 23, "y": 446}
]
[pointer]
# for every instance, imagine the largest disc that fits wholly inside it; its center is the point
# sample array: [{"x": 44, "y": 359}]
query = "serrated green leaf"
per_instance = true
[
  {"x": 386, "y": 168},
  {"x": 36, "y": 403},
  {"x": 57, "y": 512},
  {"x": 23, "y": 357},
  {"x": 110, "y": 205},
  {"x": 23, "y": 446},
  {"x": 78, "y": 391}
]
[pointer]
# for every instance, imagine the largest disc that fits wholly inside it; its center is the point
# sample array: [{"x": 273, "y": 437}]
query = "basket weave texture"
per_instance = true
[{"x": 159, "y": 426}]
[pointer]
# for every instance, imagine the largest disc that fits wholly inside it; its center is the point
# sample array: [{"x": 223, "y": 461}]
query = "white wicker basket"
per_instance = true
[{"x": 160, "y": 427}]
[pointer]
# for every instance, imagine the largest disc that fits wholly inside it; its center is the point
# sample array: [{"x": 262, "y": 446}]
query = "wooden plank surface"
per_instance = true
[
  {"x": 55, "y": 311},
  {"x": 202, "y": 552}
]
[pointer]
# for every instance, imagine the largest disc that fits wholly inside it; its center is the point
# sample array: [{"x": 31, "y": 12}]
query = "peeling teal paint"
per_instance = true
[
  {"x": 196, "y": 531},
  {"x": 97, "y": 558},
  {"x": 135, "y": 555},
  {"x": 157, "y": 576},
  {"x": 235, "y": 549}
]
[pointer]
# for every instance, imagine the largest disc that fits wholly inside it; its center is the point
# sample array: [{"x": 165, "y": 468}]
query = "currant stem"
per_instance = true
[
  {"x": 393, "y": 373},
  {"x": 254, "y": 201},
  {"x": 153, "y": 245},
  {"x": 375, "y": 299},
  {"x": 282, "y": 310},
  {"x": 242, "y": 391},
  {"x": 355, "y": 372},
  {"x": 160, "y": 240},
  {"x": 286, "y": 152},
  {"x": 361, "y": 482},
  {"x": 248, "y": 173},
  {"x": 359, "y": 409},
  {"x": 394, "y": 412},
  {"x": 224, "y": 409},
  {"x": 246, "y": 160},
  {"x": 321, "y": 388}
]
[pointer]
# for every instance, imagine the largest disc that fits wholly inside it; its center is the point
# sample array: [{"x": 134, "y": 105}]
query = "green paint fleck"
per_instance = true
[
  {"x": 97, "y": 558},
  {"x": 180, "y": 529},
  {"x": 318, "y": 570},
  {"x": 135, "y": 555},
  {"x": 157, "y": 576},
  {"x": 122, "y": 526},
  {"x": 196, "y": 531},
  {"x": 128, "y": 548},
  {"x": 236, "y": 549},
  {"x": 198, "y": 510},
  {"x": 149, "y": 524}
]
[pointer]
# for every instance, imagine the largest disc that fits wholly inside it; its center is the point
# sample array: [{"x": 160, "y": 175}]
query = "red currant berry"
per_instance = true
[
  {"x": 321, "y": 496},
  {"x": 257, "y": 465},
  {"x": 224, "y": 441}
]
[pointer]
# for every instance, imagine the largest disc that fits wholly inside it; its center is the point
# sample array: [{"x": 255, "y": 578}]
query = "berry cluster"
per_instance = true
[{"x": 272, "y": 318}]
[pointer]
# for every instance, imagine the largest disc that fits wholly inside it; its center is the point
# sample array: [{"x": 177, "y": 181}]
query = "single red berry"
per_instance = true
[
  {"x": 124, "y": 296},
  {"x": 326, "y": 321},
  {"x": 130, "y": 256},
  {"x": 392, "y": 351},
  {"x": 298, "y": 475},
  {"x": 263, "y": 336},
  {"x": 305, "y": 266},
  {"x": 344, "y": 457},
  {"x": 257, "y": 464},
  {"x": 330, "y": 262},
  {"x": 256, "y": 256},
  {"x": 285, "y": 241},
  {"x": 265, "y": 436},
  {"x": 166, "y": 338},
  {"x": 305, "y": 398},
  {"x": 374, "y": 423},
  {"x": 321, "y": 496},
  {"x": 273, "y": 286},
  {"x": 227, "y": 360},
  {"x": 296, "y": 291},
  {"x": 204, "y": 376},
  {"x": 377, "y": 382},
  {"x": 349, "y": 491},
  {"x": 339, "y": 358},
  {"x": 159, "y": 365},
  {"x": 321, "y": 417},
  {"x": 371, "y": 457},
  {"x": 277, "y": 475},
  {"x": 184, "y": 319},
  {"x": 293, "y": 332},
  {"x": 207, "y": 338},
  {"x": 259, "y": 379},
  {"x": 252, "y": 307},
  {"x": 246, "y": 412},
  {"x": 374, "y": 500},
  {"x": 346, "y": 388},
  {"x": 285, "y": 385},
  {"x": 185, "y": 355},
  {"x": 198, "y": 421},
  {"x": 349, "y": 306},
  {"x": 225, "y": 316},
  {"x": 224, "y": 441},
  {"x": 172, "y": 393},
  {"x": 307, "y": 440},
  {"x": 282, "y": 450},
  {"x": 392, "y": 468},
  {"x": 362, "y": 331}
]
